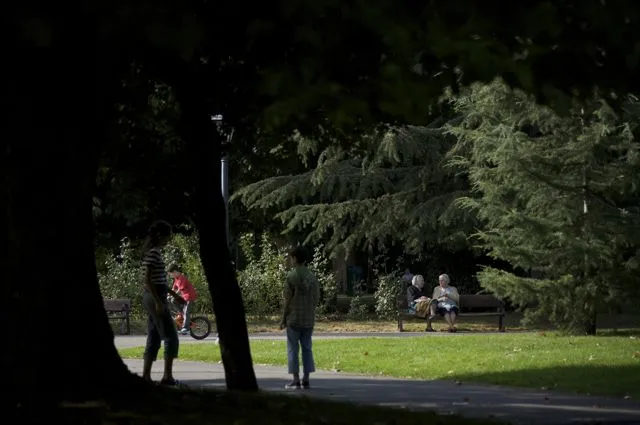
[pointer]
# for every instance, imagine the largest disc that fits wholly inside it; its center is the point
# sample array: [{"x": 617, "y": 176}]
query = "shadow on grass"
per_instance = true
[
  {"x": 516, "y": 405},
  {"x": 613, "y": 381},
  {"x": 633, "y": 333}
]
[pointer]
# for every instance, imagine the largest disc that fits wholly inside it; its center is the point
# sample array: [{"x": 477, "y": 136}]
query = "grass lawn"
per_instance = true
[{"x": 607, "y": 365}]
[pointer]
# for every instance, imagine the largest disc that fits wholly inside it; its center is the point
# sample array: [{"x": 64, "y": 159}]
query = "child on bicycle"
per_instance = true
[{"x": 185, "y": 289}]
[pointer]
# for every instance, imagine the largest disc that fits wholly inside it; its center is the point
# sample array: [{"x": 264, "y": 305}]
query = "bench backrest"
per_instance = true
[
  {"x": 117, "y": 305},
  {"x": 401, "y": 301},
  {"x": 480, "y": 302}
]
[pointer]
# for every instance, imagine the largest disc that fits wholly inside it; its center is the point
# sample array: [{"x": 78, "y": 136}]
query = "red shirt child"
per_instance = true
[{"x": 182, "y": 285}]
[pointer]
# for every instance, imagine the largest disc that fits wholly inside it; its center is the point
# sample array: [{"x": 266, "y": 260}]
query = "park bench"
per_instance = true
[
  {"x": 119, "y": 310},
  {"x": 470, "y": 306}
]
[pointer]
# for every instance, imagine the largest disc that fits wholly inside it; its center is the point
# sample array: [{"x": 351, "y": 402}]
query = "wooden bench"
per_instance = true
[
  {"x": 119, "y": 310},
  {"x": 488, "y": 305}
]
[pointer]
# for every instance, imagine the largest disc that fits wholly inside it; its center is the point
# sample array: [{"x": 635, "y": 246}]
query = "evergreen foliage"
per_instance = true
[
  {"x": 388, "y": 187},
  {"x": 558, "y": 198}
]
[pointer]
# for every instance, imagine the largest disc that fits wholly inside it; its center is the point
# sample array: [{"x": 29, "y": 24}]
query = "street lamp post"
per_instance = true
[
  {"x": 224, "y": 178},
  {"x": 224, "y": 174}
]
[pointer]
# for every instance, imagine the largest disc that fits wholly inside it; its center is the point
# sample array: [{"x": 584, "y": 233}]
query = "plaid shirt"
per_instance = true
[{"x": 301, "y": 296}]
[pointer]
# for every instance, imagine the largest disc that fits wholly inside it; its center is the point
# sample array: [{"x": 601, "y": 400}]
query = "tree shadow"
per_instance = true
[
  {"x": 614, "y": 381},
  {"x": 463, "y": 397},
  {"x": 633, "y": 333}
]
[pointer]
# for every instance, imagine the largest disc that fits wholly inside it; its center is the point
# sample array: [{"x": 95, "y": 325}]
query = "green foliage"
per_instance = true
[
  {"x": 321, "y": 267},
  {"x": 390, "y": 286},
  {"x": 263, "y": 277},
  {"x": 184, "y": 250},
  {"x": 389, "y": 187},
  {"x": 547, "y": 298},
  {"x": 557, "y": 197},
  {"x": 358, "y": 309},
  {"x": 589, "y": 365},
  {"x": 120, "y": 274},
  {"x": 262, "y": 280}
]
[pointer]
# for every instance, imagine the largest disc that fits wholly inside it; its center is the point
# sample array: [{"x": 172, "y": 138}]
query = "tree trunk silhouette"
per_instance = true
[
  {"x": 58, "y": 341},
  {"x": 590, "y": 327},
  {"x": 204, "y": 145}
]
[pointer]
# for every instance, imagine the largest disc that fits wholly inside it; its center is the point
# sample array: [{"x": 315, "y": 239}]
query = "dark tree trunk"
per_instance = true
[
  {"x": 58, "y": 342},
  {"x": 589, "y": 326},
  {"x": 204, "y": 145}
]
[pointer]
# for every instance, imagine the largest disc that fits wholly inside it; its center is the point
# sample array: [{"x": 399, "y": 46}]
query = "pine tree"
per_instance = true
[
  {"x": 558, "y": 198},
  {"x": 388, "y": 187}
]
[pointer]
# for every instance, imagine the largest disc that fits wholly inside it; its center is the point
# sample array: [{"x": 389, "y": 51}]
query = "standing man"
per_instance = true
[
  {"x": 185, "y": 289},
  {"x": 301, "y": 297}
]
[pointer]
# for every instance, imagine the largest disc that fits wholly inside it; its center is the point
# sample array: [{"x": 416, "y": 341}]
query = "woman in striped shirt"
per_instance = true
[{"x": 160, "y": 324}]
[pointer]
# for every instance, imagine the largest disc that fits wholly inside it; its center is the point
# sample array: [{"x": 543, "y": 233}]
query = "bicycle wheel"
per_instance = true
[{"x": 200, "y": 327}]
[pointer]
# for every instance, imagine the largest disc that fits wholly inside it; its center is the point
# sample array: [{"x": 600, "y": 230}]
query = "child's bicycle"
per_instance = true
[{"x": 199, "y": 328}]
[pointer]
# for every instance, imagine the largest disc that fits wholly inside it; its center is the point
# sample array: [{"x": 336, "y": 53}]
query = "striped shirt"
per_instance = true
[{"x": 154, "y": 265}]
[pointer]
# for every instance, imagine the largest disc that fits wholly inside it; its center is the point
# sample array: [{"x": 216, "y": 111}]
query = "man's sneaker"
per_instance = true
[
  {"x": 305, "y": 385},
  {"x": 184, "y": 331},
  {"x": 293, "y": 385}
]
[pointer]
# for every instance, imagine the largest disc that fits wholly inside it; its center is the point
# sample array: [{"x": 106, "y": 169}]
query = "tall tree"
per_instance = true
[
  {"x": 48, "y": 169},
  {"x": 555, "y": 50},
  {"x": 390, "y": 187},
  {"x": 60, "y": 100},
  {"x": 327, "y": 69},
  {"x": 204, "y": 145},
  {"x": 143, "y": 170},
  {"x": 557, "y": 197}
]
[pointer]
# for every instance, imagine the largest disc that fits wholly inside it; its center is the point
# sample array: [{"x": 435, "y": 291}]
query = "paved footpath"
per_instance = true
[
  {"x": 127, "y": 341},
  {"x": 515, "y": 405}
]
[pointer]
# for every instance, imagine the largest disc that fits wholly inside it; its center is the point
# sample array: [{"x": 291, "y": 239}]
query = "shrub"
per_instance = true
[
  {"x": 120, "y": 275},
  {"x": 262, "y": 280},
  {"x": 358, "y": 309},
  {"x": 321, "y": 267},
  {"x": 184, "y": 250},
  {"x": 390, "y": 286},
  {"x": 263, "y": 277}
]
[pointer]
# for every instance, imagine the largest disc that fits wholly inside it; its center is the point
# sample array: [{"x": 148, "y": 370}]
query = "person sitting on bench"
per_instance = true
[
  {"x": 447, "y": 298},
  {"x": 417, "y": 302}
]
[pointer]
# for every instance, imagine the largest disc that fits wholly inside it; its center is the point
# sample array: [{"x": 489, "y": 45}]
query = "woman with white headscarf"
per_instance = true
[{"x": 417, "y": 302}]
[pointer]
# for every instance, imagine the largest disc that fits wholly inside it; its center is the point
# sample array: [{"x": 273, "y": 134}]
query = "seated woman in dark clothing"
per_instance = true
[{"x": 417, "y": 302}]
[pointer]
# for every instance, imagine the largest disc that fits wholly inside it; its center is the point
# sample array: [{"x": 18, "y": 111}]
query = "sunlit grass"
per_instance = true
[{"x": 607, "y": 365}]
